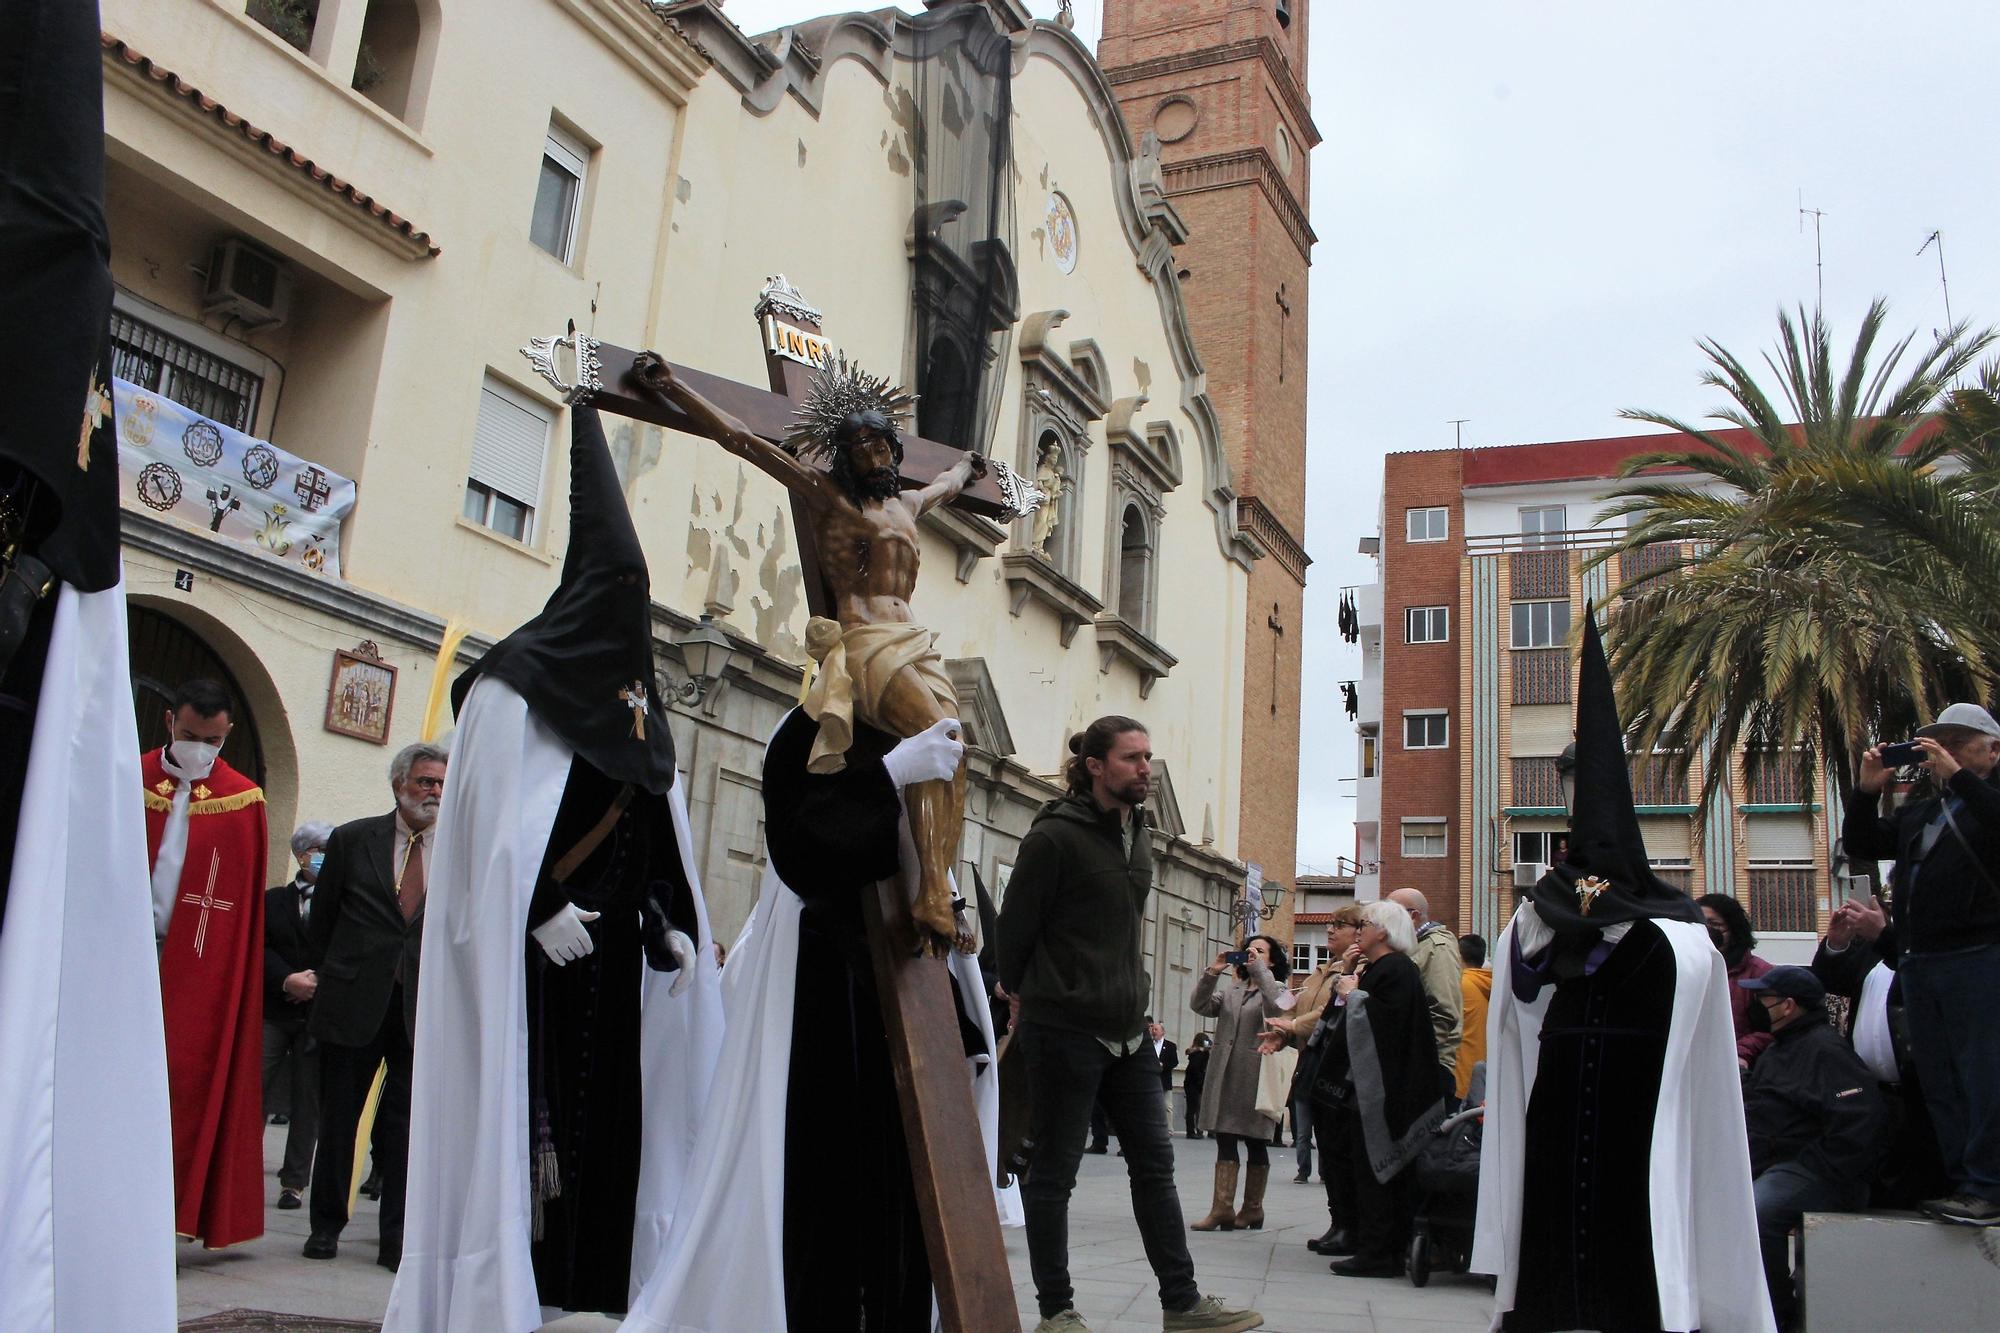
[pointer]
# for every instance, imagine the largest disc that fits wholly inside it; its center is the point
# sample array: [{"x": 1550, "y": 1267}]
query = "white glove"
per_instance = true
[
  {"x": 929, "y": 756},
  {"x": 563, "y": 937},
  {"x": 682, "y": 948}
]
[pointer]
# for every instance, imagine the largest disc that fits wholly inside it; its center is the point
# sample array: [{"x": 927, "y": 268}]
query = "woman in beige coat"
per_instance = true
[{"x": 1240, "y": 1000}]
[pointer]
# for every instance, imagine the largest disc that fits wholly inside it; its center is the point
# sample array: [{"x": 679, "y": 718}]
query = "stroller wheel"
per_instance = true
[{"x": 1420, "y": 1257}]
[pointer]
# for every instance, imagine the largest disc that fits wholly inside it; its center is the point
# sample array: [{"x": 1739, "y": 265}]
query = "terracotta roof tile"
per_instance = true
[{"x": 264, "y": 139}]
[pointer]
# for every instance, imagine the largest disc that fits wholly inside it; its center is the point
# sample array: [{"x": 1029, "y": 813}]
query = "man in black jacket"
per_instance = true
[
  {"x": 1071, "y": 952},
  {"x": 369, "y": 900},
  {"x": 1945, "y": 934},
  {"x": 1815, "y": 1119},
  {"x": 289, "y": 983}
]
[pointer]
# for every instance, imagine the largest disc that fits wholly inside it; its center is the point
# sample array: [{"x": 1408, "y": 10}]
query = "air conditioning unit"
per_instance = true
[
  {"x": 1527, "y": 874},
  {"x": 247, "y": 284}
]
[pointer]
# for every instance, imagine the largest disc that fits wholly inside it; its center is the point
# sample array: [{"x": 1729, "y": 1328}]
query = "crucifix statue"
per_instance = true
[{"x": 859, "y": 483}]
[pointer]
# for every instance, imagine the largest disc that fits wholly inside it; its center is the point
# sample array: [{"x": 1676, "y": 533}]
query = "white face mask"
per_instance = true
[{"x": 190, "y": 759}]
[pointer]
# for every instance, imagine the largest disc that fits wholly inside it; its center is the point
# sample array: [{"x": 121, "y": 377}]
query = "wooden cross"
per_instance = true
[
  {"x": 634, "y": 697},
  {"x": 205, "y": 902},
  {"x": 948, "y": 1158}
]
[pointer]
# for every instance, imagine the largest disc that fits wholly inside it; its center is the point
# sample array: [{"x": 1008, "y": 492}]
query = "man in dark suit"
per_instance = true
[
  {"x": 1170, "y": 1060},
  {"x": 368, "y": 903},
  {"x": 289, "y": 983}
]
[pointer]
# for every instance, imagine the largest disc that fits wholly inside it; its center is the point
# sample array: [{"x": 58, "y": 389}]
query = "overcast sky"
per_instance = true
[{"x": 1529, "y": 211}]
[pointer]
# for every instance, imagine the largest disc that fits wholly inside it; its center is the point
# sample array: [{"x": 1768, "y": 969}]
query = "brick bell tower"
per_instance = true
[{"x": 1223, "y": 85}]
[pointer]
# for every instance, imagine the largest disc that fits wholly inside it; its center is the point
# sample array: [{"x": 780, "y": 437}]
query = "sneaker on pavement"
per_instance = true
[
  {"x": 1069, "y": 1321},
  {"x": 1210, "y": 1315},
  {"x": 1965, "y": 1209}
]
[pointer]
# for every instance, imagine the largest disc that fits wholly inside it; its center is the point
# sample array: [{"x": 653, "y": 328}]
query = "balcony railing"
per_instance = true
[
  {"x": 1537, "y": 784},
  {"x": 1539, "y": 573},
  {"x": 1541, "y": 675},
  {"x": 1778, "y": 779},
  {"x": 1659, "y": 779},
  {"x": 1783, "y": 898},
  {"x": 1648, "y": 562}
]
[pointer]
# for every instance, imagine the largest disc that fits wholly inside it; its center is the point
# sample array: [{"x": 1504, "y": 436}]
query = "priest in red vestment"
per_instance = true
[{"x": 205, "y": 841}]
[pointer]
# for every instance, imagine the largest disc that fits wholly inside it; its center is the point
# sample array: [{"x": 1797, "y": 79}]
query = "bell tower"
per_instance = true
[{"x": 1223, "y": 85}]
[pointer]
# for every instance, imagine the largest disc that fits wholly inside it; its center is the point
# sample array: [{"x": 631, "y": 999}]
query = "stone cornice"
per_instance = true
[
  {"x": 648, "y": 40},
  {"x": 1264, "y": 527},
  {"x": 1118, "y": 637},
  {"x": 250, "y": 568},
  {"x": 1260, "y": 49},
  {"x": 1245, "y": 166}
]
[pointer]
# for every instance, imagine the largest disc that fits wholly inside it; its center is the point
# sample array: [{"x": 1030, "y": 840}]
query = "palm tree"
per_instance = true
[{"x": 1827, "y": 581}]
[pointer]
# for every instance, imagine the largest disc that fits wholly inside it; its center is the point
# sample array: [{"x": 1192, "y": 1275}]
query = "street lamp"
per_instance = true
[
  {"x": 1566, "y": 775},
  {"x": 706, "y": 652}
]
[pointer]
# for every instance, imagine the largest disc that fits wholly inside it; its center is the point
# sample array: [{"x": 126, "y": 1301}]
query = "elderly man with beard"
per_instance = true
[{"x": 368, "y": 905}]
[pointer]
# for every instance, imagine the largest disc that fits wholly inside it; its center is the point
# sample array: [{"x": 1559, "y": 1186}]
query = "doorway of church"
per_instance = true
[{"x": 166, "y": 653}]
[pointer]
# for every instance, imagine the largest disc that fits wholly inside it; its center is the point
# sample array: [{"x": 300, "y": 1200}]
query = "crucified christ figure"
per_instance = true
[{"x": 873, "y": 653}]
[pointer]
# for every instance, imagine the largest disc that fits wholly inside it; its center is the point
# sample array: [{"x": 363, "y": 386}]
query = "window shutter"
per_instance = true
[
  {"x": 1779, "y": 837},
  {"x": 510, "y": 445},
  {"x": 1667, "y": 838},
  {"x": 1539, "y": 729}
]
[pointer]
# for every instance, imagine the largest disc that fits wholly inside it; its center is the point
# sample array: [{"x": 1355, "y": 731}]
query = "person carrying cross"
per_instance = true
[{"x": 876, "y": 666}]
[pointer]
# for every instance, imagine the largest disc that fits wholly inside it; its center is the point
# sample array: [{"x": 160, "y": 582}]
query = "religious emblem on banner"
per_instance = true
[
  {"x": 159, "y": 487},
  {"x": 202, "y": 443},
  {"x": 260, "y": 466},
  {"x": 135, "y": 423},
  {"x": 96, "y": 407}
]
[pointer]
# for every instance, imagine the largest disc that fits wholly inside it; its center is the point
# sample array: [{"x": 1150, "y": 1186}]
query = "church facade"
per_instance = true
[{"x": 334, "y": 226}]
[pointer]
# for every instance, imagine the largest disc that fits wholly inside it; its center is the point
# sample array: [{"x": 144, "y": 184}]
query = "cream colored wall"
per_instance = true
[
  {"x": 687, "y": 211},
  {"x": 840, "y": 241}
]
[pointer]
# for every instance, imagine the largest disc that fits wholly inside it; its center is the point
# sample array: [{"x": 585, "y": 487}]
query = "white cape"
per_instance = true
[
  {"x": 724, "y": 1269},
  {"x": 86, "y": 1182},
  {"x": 1708, "y": 1272},
  {"x": 467, "y": 1263}
]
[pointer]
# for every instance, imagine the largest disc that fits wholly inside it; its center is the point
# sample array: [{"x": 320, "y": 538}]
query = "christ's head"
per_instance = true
[{"x": 867, "y": 456}]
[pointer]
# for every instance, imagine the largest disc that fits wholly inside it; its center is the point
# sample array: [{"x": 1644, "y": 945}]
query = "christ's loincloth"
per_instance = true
[{"x": 856, "y": 664}]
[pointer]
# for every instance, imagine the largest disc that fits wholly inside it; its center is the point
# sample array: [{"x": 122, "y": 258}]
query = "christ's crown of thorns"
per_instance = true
[{"x": 838, "y": 389}]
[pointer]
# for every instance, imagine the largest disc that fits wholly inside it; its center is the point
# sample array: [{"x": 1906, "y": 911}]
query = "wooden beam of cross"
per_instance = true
[{"x": 948, "y": 1157}]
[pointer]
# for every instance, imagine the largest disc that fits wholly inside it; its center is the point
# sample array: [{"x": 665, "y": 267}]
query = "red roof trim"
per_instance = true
[
  {"x": 268, "y": 142},
  {"x": 1600, "y": 460}
]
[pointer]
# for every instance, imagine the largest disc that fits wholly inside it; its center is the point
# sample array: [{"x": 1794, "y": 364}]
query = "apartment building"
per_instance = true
[{"x": 1465, "y": 701}]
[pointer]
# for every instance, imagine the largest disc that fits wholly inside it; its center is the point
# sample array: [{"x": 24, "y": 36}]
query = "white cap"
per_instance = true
[{"x": 1970, "y": 717}]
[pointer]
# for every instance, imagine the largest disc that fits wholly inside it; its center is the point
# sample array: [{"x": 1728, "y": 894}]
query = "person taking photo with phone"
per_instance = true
[{"x": 1944, "y": 933}]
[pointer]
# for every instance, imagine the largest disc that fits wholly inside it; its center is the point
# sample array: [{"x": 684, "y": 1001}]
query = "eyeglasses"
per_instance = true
[{"x": 425, "y": 784}]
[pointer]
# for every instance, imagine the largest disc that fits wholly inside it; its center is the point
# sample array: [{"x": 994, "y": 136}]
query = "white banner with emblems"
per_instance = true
[{"x": 177, "y": 462}]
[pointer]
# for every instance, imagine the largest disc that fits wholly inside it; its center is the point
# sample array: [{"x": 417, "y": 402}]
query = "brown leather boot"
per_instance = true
[
  {"x": 1222, "y": 1209},
  {"x": 1250, "y": 1217}
]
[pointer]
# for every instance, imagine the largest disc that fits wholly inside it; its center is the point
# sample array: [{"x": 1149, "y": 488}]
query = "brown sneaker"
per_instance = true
[{"x": 1209, "y": 1315}]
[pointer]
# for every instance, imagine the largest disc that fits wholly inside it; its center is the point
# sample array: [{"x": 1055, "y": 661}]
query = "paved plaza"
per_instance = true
[{"x": 1270, "y": 1268}]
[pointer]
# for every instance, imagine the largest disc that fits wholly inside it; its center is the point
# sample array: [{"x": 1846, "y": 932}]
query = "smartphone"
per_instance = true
[
  {"x": 1236, "y": 957},
  {"x": 1902, "y": 754}
]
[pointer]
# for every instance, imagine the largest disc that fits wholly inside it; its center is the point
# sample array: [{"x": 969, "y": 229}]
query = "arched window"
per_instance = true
[
  {"x": 392, "y": 67},
  {"x": 1135, "y": 570}
]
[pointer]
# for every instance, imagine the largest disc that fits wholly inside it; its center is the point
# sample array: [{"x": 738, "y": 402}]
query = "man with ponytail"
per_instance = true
[{"x": 1071, "y": 952}]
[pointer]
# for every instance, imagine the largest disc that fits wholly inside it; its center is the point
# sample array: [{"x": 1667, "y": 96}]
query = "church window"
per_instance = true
[
  {"x": 559, "y": 193},
  {"x": 510, "y": 446},
  {"x": 1135, "y": 570}
]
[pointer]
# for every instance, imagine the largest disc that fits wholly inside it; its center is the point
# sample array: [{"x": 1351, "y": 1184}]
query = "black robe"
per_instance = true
[
  {"x": 1586, "y": 1257},
  {"x": 583, "y": 1033},
  {"x": 854, "y": 1245}
]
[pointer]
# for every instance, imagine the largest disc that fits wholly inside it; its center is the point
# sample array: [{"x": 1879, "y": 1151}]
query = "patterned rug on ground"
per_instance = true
[{"x": 268, "y": 1321}]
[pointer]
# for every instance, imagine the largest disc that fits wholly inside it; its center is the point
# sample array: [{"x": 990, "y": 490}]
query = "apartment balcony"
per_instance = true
[
  {"x": 1368, "y": 702},
  {"x": 1368, "y": 886},
  {"x": 1368, "y": 606},
  {"x": 1368, "y": 801}
]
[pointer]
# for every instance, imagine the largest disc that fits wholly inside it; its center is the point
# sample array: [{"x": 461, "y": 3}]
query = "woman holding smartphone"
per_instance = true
[{"x": 1240, "y": 990}]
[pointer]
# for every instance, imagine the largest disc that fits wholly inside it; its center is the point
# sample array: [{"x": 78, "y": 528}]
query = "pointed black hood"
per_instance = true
[
  {"x": 1606, "y": 877},
  {"x": 585, "y": 664}
]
